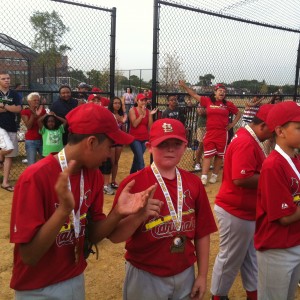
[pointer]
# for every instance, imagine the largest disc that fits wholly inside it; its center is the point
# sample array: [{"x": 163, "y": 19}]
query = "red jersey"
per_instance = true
[
  {"x": 34, "y": 202},
  {"x": 33, "y": 132},
  {"x": 141, "y": 132},
  {"x": 149, "y": 249},
  {"x": 278, "y": 196},
  {"x": 243, "y": 159},
  {"x": 217, "y": 113}
]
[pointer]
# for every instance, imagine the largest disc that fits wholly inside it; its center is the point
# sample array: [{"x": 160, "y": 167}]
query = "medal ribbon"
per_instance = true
[
  {"x": 250, "y": 130},
  {"x": 288, "y": 159},
  {"x": 74, "y": 218},
  {"x": 176, "y": 217}
]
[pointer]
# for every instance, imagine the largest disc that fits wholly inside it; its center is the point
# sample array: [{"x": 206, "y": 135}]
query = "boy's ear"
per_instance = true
[
  {"x": 279, "y": 132},
  {"x": 91, "y": 142}
]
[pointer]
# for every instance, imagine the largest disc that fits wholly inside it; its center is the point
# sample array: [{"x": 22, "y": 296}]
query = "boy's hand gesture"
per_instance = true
[
  {"x": 132, "y": 203},
  {"x": 64, "y": 195}
]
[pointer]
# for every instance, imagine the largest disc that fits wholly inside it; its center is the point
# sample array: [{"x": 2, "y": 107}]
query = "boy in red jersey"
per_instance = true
[
  {"x": 172, "y": 232},
  {"x": 235, "y": 208},
  {"x": 48, "y": 220},
  {"x": 277, "y": 237}
]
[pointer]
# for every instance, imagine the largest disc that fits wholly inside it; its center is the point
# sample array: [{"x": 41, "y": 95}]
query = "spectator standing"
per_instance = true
[
  {"x": 251, "y": 108},
  {"x": 165, "y": 239},
  {"x": 115, "y": 106},
  {"x": 141, "y": 120},
  {"x": 48, "y": 220},
  {"x": 217, "y": 127},
  {"x": 63, "y": 105},
  {"x": 277, "y": 238},
  {"x": 127, "y": 100},
  {"x": 83, "y": 89},
  {"x": 33, "y": 139},
  {"x": 173, "y": 111},
  {"x": 235, "y": 208},
  {"x": 10, "y": 105}
]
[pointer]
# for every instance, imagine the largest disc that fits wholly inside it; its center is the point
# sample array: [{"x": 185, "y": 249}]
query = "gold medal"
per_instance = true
[{"x": 178, "y": 244}]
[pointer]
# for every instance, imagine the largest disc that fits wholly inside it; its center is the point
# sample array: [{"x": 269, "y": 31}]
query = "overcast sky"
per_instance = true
[{"x": 134, "y": 31}]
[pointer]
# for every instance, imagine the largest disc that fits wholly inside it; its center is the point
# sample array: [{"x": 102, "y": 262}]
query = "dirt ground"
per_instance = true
[{"x": 104, "y": 277}]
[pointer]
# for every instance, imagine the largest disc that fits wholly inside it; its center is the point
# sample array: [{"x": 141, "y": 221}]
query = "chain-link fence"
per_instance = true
[
  {"x": 250, "y": 46},
  {"x": 45, "y": 44}
]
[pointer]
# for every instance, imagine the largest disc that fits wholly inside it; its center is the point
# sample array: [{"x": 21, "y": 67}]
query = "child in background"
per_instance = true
[
  {"x": 277, "y": 238},
  {"x": 115, "y": 106},
  {"x": 52, "y": 128},
  {"x": 251, "y": 108},
  {"x": 173, "y": 232}
]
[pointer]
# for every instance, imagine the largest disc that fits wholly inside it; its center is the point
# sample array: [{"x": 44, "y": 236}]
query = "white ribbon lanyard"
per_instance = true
[
  {"x": 288, "y": 159},
  {"x": 176, "y": 217},
  {"x": 74, "y": 218},
  {"x": 250, "y": 130}
]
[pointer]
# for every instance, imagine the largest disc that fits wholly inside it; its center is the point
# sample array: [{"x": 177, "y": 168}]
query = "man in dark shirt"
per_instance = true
[
  {"x": 173, "y": 111},
  {"x": 10, "y": 105}
]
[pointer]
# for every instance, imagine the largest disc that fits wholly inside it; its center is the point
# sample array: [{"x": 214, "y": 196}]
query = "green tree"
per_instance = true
[
  {"x": 50, "y": 30},
  {"x": 206, "y": 80},
  {"x": 77, "y": 76}
]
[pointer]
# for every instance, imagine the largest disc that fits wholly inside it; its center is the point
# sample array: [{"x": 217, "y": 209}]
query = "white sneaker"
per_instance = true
[
  {"x": 204, "y": 180},
  {"x": 213, "y": 178},
  {"x": 108, "y": 190},
  {"x": 197, "y": 167}
]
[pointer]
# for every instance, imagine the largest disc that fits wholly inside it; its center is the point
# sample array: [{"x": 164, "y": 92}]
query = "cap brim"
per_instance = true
[
  {"x": 121, "y": 137},
  {"x": 157, "y": 141}
]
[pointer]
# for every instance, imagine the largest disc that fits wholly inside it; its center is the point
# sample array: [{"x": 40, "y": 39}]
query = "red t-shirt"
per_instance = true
[
  {"x": 34, "y": 202},
  {"x": 149, "y": 249},
  {"x": 33, "y": 132},
  {"x": 141, "y": 132},
  {"x": 243, "y": 159},
  {"x": 217, "y": 113},
  {"x": 278, "y": 186}
]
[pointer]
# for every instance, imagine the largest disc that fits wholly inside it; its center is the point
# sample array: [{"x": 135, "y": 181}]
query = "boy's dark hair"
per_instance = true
[
  {"x": 256, "y": 120},
  {"x": 57, "y": 122},
  {"x": 111, "y": 106},
  {"x": 74, "y": 138}
]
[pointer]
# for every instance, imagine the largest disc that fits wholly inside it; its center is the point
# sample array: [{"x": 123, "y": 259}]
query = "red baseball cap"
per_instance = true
[
  {"x": 91, "y": 97},
  {"x": 282, "y": 113},
  {"x": 91, "y": 118},
  {"x": 263, "y": 111},
  {"x": 219, "y": 86},
  {"x": 95, "y": 89},
  {"x": 140, "y": 97},
  {"x": 164, "y": 129}
]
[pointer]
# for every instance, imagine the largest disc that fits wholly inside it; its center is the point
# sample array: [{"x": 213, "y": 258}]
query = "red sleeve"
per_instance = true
[
  {"x": 232, "y": 108},
  {"x": 274, "y": 189},
  {"x": 25, "y": 112},
  {"x": 204, "y": 101},
  {"x": 24, "y": 226},
  {"x": 244, "y": 160}
]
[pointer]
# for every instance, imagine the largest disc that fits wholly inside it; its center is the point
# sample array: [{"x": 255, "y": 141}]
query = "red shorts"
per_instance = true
[{"x": 215, "y": 143}]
